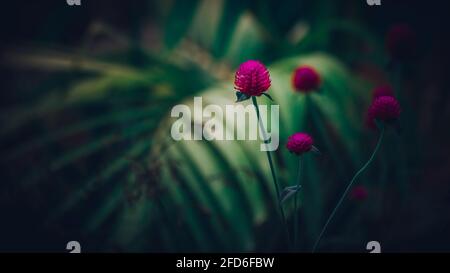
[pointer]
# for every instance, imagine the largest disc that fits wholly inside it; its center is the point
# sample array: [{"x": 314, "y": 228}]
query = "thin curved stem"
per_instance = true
[
  {"x": 272, "y": 169},
  {"x": 377, "y": 147},
  {"x": 296, "y": 218}
]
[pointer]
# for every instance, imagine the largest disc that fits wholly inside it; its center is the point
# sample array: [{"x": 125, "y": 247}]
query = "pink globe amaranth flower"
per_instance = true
[
  {"x": 359, "y": 193},
  {"x": 401, "y": 42},
  {"x": 306, "y": 79},
  {"x": 299, "y": 143},
  {"x": 252, "y": 78},
  {"x": 382, "y": 90},
  {"x": 384, "y": 108}
]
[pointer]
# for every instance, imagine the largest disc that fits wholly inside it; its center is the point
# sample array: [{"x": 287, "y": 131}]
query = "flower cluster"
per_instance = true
[
  {"x": 384, "y": 107},
  {"x": 401, "y": 42},
  {"x": 305, "y": 79},
  {"x": 299, "y": 143},
  {"x": 252, "y": 78}
]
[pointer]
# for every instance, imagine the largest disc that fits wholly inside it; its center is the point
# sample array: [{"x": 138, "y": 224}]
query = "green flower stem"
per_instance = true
[
  {"x": 377, "y": 147},
  {"x": 272, "y": 169},
  {"x": 296, "y": 218}
]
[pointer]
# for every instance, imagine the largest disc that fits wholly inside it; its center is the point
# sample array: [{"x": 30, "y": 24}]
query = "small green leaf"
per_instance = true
[
  {"x": 315, "y": 150},
  {"x": 289, "y": 192},
  {"x": 267, "y": 95},
  {"x": 241, "y": 97}
]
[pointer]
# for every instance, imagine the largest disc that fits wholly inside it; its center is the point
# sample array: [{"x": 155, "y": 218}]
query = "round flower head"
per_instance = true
[
  {"x": 382, "y": 90},
  {"x": 401, "y": 42},
  {"x": 252, "y": 78},
  {"x": 384, "y": 108},
  {"x": 359, "y": 193},
  {"x": 305, "y": 79},
  {"x": 299, "y": 143}
]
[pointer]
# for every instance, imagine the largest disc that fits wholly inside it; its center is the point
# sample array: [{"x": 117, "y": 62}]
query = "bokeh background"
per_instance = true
[{"x": 86, "y": 154}]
